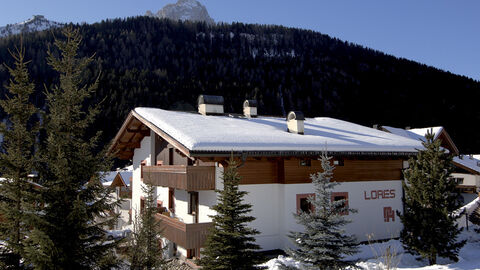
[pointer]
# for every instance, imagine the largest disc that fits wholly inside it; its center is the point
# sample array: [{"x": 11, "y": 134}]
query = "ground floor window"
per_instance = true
[
  {"x": 337, "y": 196},
  {"x": 303, "y": 205}
]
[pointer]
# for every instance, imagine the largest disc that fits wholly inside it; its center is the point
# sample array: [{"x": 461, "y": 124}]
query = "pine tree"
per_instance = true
[
  {"x": 323, "y": 244},
  {"x": 430, "y": 200},
  {"x": 17, "y": 202},
  {"x": 71, "y": 234},
  {"x": 146, "y": 251},
  {"x": 231, "y": 243}
]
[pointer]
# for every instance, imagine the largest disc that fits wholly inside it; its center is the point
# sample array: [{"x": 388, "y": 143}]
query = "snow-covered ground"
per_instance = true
[{"x": 371, "y": 256}]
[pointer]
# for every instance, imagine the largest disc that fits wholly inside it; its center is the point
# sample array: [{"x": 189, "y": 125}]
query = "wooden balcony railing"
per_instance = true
[
  {"x": 189, "y": 178},
  {"x": 188, "y": 236}
]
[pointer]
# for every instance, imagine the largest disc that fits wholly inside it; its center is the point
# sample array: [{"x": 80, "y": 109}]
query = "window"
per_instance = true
[
  {"x": 458, "y": 180},
  {"x": 142, "y": 204},
  {"x": 338, "y": 162},
  {"x": 338, "y": 196},
  {"x": 192, "y": 203},
  {"x": 171, "y": 200},
  {"x": 305, "y": 162},
  {"x": 170, "y": 156},
  {"x": 303, "y": 205}
]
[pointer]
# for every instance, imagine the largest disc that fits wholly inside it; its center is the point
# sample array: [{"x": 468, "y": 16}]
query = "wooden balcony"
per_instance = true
[
  {"x": 185, "y": 235},
  {"x": 189, "y": 178}
]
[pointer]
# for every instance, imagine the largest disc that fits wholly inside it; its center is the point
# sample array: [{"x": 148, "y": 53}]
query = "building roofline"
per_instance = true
[{"x": 206, "y": 153}]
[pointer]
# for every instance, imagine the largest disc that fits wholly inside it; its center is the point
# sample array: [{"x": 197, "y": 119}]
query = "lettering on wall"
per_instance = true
[
  {"x": 379, "y": 194},
  {"x": 388, "y": 214}
]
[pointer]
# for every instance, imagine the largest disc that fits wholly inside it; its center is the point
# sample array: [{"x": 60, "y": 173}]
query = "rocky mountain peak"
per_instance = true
[
  {"x": 35, "y": 23},
  {"x": 191, "y": 10}
]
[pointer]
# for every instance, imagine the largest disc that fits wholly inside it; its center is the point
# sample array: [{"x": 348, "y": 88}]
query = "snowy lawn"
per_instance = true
[{"x": 370, "y": 256}]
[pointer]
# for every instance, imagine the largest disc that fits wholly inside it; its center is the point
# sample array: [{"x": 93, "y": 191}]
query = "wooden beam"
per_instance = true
[
  {"x": 465, "y": 168},
  {"x": 129, "y": 144},
  {"x": 139, "y": 130}
]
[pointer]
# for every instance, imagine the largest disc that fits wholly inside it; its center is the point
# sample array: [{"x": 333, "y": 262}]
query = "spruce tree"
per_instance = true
[
  {"x": 146, "y": 251},
  {"x": 430, "y": 200},
  {"x": 17, "y": 202},
  {"x": 231, "y": 243},
  {"x": 71, "y": 234},
  {"x": 324, "y": 243}
]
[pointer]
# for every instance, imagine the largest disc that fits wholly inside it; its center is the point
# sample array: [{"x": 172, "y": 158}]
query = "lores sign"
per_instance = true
[{"x": 383, "y": 194}]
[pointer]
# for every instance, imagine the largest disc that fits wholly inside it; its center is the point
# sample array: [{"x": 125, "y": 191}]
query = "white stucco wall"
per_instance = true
[
  {"x": 140, "y": 154},
  {"x": 274, "y": 205},
  {"x": 468, "y": 179}
]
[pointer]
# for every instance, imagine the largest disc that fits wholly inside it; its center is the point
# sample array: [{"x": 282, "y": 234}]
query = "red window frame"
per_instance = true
[
  {"x": 304, "y": 196},
  {"x": 341, "y": 194}
]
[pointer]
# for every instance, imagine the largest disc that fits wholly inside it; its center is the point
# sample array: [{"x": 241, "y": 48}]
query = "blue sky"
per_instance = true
[{"x": 444, "y": 34}]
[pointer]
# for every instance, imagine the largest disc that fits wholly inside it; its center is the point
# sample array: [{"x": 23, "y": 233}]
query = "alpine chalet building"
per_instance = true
[{"x": 185, "y": 153}]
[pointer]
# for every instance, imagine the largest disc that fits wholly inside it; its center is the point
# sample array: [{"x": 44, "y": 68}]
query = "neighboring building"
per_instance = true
[
  {"x": 467, "y": 167},
  {"x": 119, "y": 181},
  {"x": 184, "y": 155}
]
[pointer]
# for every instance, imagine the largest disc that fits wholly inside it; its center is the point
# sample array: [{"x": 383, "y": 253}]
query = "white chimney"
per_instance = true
[
  {"x": 250, "y": 108},
  {"x": 295, "y": 121},
  {"x": 208, "y": 105}
]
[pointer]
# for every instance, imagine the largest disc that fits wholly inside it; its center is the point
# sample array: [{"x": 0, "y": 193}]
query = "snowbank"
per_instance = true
[{"x": 372, "y": 256}]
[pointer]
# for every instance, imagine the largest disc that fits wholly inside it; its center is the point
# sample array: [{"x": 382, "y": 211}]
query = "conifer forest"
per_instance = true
[{"x": 145, "y": 61}]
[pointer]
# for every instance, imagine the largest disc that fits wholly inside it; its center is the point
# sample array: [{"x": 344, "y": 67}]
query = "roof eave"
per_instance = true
[{"x": 288, "y": 153}]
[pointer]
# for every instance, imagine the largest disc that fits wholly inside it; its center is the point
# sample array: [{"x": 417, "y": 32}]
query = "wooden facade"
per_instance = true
[
  {"x": 188, "y": 236},
  {"x": 272, "y": 171},
  {"x": 298, "y": 171},
  {"x": 349, "y": 171},
  {"x": 189, "y": 178}
]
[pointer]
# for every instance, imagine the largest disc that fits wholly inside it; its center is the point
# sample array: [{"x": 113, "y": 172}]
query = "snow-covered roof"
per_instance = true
[
  {"x": 108, "y": 178},
  {"x": 419, "y": 134},
  {"x": 126, "y": 175},
  {"x": 468, "y": 162},
  {"x": 414, "y": 133},
  {"x": 199, "y": 133}
]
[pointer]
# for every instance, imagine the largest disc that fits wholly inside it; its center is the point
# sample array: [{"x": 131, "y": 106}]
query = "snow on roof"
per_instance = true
[
  {"x": 414, "y": 133},
  {"x": 224, "y": 133},
  {"x": 469, "y": 161},
  {"x": 423, "y": 131},
  {"x": 126, "y": 176},
  {"x": 108, "y": 178}
]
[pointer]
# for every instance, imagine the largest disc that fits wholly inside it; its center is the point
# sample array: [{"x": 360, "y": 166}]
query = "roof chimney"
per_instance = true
[
  {"x": 295, "y": 121},
  {"x": 210, "y": 105},
  {"x": 250, "y": 108}
]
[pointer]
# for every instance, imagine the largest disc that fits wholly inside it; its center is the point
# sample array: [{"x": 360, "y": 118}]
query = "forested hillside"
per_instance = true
[{"x": 151, "y": 62}]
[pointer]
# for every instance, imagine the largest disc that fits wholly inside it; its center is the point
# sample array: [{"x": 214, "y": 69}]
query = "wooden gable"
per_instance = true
[{"x": 132, "y": 132}]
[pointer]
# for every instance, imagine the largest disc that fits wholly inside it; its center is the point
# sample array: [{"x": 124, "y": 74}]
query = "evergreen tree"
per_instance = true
[
  {"x": 323, "y": 244},
  {"x": 430, "y": 200},
  {"x": 71, "y": 234},
  {"x": 17, "y": 195},
  {"x": 146, "y": 251},
  {"x": 231, "y": 244}
]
